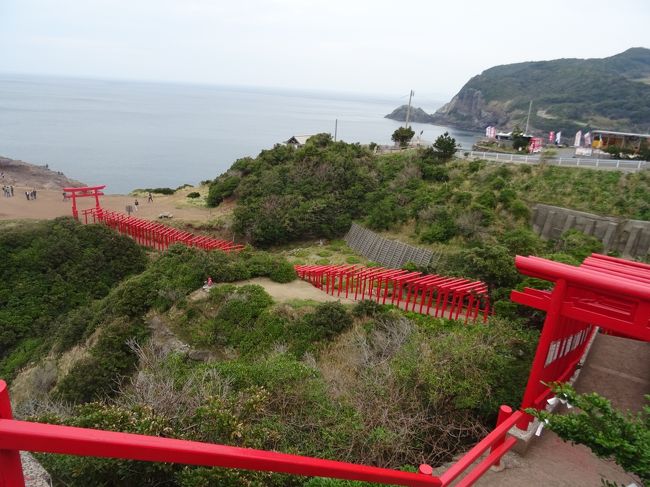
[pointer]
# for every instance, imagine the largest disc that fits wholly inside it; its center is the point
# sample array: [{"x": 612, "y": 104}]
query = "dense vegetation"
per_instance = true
[
  {"x": 361, "y": 393},
  {"x": 48, "y": 269},
  {"x": 286, "y": 194},
  {"x": 327, "y": 380},
  {"x": 572, "y": 94}
]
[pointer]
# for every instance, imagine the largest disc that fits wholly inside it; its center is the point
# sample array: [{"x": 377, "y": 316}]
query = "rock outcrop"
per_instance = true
[{"x": 417, "y": 115}]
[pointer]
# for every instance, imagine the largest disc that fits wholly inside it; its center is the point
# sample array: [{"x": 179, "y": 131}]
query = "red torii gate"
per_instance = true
[
  {"x": 448, "y": 296},
  {"x": 605, "y": 292},
  {"x": 83, "y": 192}
]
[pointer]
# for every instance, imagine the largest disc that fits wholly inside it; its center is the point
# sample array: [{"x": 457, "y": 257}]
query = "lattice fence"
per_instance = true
[{"x": 390, "y": 253}]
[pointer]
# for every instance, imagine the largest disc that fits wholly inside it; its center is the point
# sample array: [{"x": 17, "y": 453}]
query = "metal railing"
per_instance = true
[{"x": 624, "y": 165}]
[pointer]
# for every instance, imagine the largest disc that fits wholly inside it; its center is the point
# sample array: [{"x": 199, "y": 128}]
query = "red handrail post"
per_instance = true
[
  {"x": 11, "y": 470},
  {"x": 504, "y": 413}
]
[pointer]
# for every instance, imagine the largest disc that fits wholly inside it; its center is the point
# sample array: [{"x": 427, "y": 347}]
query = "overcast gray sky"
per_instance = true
[{"x": 372, "y": 46}]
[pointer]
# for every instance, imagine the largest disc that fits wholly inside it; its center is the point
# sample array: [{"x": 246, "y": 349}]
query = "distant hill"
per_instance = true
[{"x": 567, "y": 94}]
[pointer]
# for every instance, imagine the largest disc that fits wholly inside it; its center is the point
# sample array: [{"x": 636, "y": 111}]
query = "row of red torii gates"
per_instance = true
[
  {"x": 449, "y": 297},
  {"x": 146, "y": 232},
  {"x": 605, "y": 292}
]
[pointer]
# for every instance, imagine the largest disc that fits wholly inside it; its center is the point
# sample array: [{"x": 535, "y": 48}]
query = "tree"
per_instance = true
[
  {"x": 519, "y": 140},
  {"x": 625, "y": 438},
  {"x": 403, "y": 136},
  {"x": 445, "y": 147}
]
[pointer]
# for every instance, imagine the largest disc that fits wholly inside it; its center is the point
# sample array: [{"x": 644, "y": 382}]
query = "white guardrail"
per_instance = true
[{"x": 626, "y": 165}]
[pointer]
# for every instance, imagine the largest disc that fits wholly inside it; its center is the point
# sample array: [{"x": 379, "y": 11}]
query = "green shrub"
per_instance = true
[
  {"x": 283, "y": 272},
  {"x": 437, "y": 173},
  {"x": 194, "y": 195},
  {"x": 352, "y": 259},
  {"x": 439, "y": 231},
  {"x": 492, "y": 264},
  {"x": 222, "y": 188},
  {"x": 498, "y": 183},
  {"x": 368, "y": 307},
  {"x": 520, "y": 210},
  {"x": 487, "y": 199},
  {"x": 462, "y": 198},
  {"x": 95, "y": 376},
  {"x": 578, "y": 244},
  {"x": 496, "y": 374},
  {"x": 522, "y": 242},
  {"x": 329, "y": 319},
  {"x": 475, "y": 165},
  {"x": 506, "y": 196},
  {"x": 165, "y": 191}
]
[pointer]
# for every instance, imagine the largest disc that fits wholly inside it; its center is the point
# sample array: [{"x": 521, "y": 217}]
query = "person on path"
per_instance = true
[
  {"x": 27, "y": 195},
  {"x": 12, "y": 190},
  {"x": 150, "y": 198},
  {"x": 136, "y": 205}
]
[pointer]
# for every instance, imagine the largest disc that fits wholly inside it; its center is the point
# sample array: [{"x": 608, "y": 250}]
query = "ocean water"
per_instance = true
[{"x": 138, "y": 134}]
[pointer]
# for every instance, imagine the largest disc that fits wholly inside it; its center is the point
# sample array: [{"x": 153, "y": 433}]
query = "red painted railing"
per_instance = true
[
  {"x": 153, "y": 234},
  {"x": 603, "y": 291},
  {"x": 451, "y": 297},
  {"x": 37, "y": 437}
]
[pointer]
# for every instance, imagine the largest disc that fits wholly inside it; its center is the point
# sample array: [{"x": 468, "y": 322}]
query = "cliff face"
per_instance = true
[
  {"x": 567, "y": 94},
  {"x": 469, "y": 110}
]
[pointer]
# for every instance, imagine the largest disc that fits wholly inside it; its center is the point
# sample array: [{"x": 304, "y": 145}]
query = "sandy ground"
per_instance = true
[
  {"x": 49, "y": 204},
  {"x": 294, "y": 290}
]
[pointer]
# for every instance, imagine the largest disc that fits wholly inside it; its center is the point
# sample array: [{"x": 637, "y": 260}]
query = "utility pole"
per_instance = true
[
  {"x": 528, "y": 119},
  {"x": 408, "y": 110},
  {"x": 336, "y": 128}
]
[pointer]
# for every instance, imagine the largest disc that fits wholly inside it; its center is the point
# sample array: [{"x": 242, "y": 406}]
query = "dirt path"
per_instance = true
[
  {"x": 616, "y": 368},
  {"x": 294, "y": 290}
]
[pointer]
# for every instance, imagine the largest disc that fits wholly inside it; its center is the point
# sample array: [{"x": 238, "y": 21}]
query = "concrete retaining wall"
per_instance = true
[
  {"x": 389, "y": 253},
  {"x": 631, "y": 238}
]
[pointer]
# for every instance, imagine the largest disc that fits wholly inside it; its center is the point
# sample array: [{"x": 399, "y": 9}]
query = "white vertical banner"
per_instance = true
[
  {"x": 578, "y": 139},
  {"x": 558, "y": 138}
]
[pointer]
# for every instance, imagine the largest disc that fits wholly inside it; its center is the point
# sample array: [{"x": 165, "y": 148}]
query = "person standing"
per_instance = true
[
  {"x": 150, "y": 198},
  {"x": 136, "y": 205},
  {"x": 12, "y": 190}
]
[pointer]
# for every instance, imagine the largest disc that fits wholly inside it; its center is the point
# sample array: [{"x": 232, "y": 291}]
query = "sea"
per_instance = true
[{"x": 129, "y": 135}]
